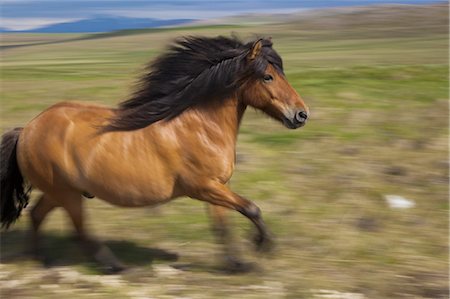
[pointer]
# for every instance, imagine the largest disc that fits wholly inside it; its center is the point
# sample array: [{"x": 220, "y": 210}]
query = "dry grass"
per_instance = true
[{"x": 379, "y": 126}]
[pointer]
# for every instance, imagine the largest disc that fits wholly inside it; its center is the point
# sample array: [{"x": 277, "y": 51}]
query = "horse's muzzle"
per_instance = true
[
  {"x": 301, "y": 117},
  {"x": 298, "y": 121}
]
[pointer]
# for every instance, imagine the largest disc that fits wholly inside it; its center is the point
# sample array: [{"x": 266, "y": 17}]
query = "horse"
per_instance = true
[{"x": 175, "y": 136}]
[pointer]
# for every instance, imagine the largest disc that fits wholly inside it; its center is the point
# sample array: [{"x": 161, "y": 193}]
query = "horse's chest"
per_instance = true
[{"x": 217, "y": 164}]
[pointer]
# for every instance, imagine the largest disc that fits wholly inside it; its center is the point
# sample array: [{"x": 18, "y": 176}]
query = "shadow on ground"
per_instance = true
[{"x": 64, "y": 250}]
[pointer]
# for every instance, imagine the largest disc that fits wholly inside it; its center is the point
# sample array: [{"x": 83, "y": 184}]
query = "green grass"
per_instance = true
[{"x": 377, "y": 103}]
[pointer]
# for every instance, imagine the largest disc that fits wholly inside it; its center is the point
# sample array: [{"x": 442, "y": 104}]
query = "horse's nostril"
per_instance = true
[{"x": 301, "y": 116}]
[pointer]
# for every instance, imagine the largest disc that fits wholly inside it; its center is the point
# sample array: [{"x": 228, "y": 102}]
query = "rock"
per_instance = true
[
  {"x": 331, "y": 294},
  {"x": 109, "y": 280},
  {"x": 68, "y": 275},
  {"x": 399, "y": 202},
  {"x": 165, "y": 271}
]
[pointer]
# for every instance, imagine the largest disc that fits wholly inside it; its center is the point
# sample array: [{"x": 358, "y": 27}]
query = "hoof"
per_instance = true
[
  {"x": 236, "y": 266},
  {"x": 108, "y": 262},
  {"x": 113, "y": 269},
  {"x": 264, "y": 243}
]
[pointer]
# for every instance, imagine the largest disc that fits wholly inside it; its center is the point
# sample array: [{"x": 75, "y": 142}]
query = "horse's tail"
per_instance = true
[{"x": 14, "y": 194}]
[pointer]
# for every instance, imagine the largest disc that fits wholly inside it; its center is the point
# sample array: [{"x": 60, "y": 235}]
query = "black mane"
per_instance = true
[{"x": 193, "y": 70}]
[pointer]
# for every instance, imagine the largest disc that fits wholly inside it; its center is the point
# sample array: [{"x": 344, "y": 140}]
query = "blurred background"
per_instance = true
[{"x": 357, "y": 199}]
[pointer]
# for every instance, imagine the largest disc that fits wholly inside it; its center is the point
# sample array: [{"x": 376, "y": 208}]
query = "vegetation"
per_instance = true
[{"x": 378, "y": 96}]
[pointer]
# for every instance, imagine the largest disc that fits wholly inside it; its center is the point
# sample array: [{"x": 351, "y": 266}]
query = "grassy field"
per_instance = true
[{"x": 378, "y": 96}]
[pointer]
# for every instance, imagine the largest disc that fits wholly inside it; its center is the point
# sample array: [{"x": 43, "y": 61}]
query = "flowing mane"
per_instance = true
[{"x": 192, "y": 71}]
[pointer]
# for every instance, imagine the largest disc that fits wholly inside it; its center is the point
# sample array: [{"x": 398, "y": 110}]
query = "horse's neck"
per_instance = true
[
  {"x": 215, "y": 123},
  {"x": 225, "y": 114}
]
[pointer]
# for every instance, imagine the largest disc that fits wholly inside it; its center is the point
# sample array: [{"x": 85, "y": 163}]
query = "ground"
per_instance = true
[{"x": 378, "y": 94}]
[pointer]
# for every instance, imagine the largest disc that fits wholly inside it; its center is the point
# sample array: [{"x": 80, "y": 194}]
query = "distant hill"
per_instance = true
[
  {"x": 365, "y": 21},
  {"x": 104, "y": 24}
]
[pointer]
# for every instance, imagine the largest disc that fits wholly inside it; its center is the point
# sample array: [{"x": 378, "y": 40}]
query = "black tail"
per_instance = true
[{"x": 14, "y": 193}]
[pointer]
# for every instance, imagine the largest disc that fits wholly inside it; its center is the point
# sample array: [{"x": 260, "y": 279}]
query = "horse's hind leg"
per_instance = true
[
  {"x": 221, "y": 229},
  {"x": 73, "y": 204},
  {"x": 37, "y": 215}
]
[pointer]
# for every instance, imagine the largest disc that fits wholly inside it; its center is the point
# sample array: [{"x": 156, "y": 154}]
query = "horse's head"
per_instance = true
[{"x": 267, "y": 88}]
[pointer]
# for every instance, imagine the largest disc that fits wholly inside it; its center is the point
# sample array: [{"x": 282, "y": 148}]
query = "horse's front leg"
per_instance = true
[
  {"x": 220, "y": 195},
  {"x": 220, "y": 226}
]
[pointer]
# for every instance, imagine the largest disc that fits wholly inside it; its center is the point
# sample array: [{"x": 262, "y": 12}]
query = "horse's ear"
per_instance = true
[{"x": 255, "y": 50}]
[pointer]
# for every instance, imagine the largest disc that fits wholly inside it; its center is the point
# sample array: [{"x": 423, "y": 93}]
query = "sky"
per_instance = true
[{"x": 29, "y": 14}]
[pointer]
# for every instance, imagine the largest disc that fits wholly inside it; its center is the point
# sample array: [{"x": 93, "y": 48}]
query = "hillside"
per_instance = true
[{"x": 355, "y": 22}]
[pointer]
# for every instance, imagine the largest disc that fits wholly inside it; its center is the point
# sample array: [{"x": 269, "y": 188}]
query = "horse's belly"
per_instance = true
[
  {"x": 133, "y": 193},
  {"x": 133, "y": 179},
  {"x": 128, "y": 200}
]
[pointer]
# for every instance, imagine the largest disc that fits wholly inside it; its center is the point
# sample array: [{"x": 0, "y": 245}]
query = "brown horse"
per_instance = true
[{"x": 176, "y": 136}]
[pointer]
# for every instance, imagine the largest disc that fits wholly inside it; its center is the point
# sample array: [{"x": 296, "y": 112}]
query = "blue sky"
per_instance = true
[{"x": 27, "y": 14}]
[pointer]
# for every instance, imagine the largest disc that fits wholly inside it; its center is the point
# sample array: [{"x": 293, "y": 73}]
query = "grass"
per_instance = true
[{"x": 379, "y": 126}]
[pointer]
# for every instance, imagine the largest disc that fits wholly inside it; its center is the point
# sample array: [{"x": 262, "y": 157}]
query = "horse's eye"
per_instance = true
[{"x": 268, "y": 78}]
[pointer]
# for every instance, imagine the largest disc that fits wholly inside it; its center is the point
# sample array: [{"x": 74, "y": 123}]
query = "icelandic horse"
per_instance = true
[{"x": 175, "y": 136}]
